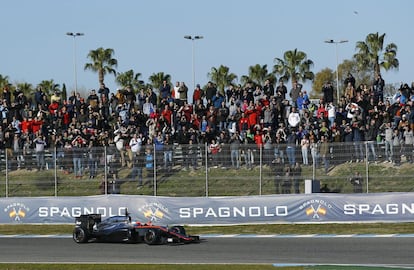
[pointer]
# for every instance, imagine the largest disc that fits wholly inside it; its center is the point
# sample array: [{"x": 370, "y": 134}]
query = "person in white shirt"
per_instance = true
[
  {"x": 293, "y": 118},
  {"x": 305, "y": 149},
  {"x": 136, "y": 144},
  {"x": 40, "y": 144},
  {"x": 119, "y": 143},
  {"x": 331, "y": 113},
  {"x": 148, "y": 107}
]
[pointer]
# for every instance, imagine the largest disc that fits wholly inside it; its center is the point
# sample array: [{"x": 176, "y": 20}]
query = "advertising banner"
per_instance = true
[{"x": 295, "y": 208}]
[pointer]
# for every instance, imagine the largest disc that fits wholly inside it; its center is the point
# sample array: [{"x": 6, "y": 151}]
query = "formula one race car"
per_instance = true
[{"x": 122, "y": 229}]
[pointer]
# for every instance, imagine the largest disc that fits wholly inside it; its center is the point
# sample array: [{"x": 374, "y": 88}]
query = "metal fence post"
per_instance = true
[
  {"x": 260, "y": 168},
  {"x": 7, "y": 175},
  {"x": 366, "y": 165},
  {"x": 55, "y": 171},
  {"x": 313, "y": 166},
  {"x": 206, "y": 162},
  {"x": 155, "y": 170},
  {"x": 106, "y": 171}
]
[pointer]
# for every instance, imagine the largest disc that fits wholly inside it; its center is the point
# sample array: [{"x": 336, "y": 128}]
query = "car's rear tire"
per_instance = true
[
  {"x": 79, "y": 235},
  {"x": 151, "y": 237}
]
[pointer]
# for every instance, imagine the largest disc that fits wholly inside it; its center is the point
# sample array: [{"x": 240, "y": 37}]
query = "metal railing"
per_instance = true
[{"x": 200, "y": 170}]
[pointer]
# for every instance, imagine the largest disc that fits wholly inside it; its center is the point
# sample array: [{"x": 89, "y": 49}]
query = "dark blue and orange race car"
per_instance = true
[{"x": 121, "y": 229}]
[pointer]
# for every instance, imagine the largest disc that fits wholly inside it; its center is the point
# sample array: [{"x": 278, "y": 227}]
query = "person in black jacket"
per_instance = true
[
  {"x": 378, "y": 86},
  {"x": 268, "y": 89},
  {"x": 211, "y": 91},
  {"x": 350, "y": 79},
  {"x": 328, "y": 92},
  {"x": 278, "y": 171}
]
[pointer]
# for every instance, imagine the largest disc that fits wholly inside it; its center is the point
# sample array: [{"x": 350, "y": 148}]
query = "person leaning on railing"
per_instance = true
[{"x": 40, "y": 144}]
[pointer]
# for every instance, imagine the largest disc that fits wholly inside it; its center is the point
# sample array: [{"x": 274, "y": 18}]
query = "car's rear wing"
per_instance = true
[{"x": 88, "y": 221}]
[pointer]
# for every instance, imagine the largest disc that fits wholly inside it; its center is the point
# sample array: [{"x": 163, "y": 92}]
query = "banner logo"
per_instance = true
[
  {"x": 154, "y": 211},
  {"x": 16, "y": 211},
  {"x": 315, "y": 208},
  {"x": 320, "y": 210}
]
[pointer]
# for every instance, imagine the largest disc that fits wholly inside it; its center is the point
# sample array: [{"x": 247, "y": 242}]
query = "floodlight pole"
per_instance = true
[
  {"x": 74, "y": 35},
  {"x": 331, "y": 41},
  {"x": 193, "y": 38}
]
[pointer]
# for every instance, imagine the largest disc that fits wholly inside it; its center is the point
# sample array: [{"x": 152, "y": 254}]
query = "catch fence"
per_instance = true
[{"x": 204, "y": 170}]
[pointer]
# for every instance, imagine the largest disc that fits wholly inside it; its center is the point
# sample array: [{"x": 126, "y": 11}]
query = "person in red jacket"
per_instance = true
[
  {"x": 53, "y": 108},
  {"x": 258, "y": 138},
  {"x": 321, "y": 113},
  {"x": 251, "y": 113},
  {"x": 27, "y": 125},
  {"x": 243, "y": 123},
  {"x": 167, "y": 114},
  {"x": 198, "y": 94},
  {"x": 65, "y": 117},
  {"x": 37, "y": 125},
  {"x": 195, "y": 122},
  {"x": 214, "y": 148}
]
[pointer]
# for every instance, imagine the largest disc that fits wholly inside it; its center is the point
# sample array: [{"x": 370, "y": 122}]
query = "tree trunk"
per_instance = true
[{"x": 101, "y": 76}]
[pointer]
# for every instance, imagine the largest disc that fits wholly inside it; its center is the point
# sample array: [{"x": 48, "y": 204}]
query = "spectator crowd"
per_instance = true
[{"x": 291, "y": 130}]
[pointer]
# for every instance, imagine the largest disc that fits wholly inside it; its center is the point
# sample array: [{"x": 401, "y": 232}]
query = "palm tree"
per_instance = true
[
  {"x": 244, "y": 79},
  {"x": 49, "y": 86},
  {"x": 102, "y": 62},
  {"x": 371, "y": 53},
  {"x": 4, "y": 80},
  {"x": 156, "y": 79},
  {"x": 221, "y": 77},
  {"x": 129, "y": 78},
  {"x": 259, "y": 74},
  {"x": 294, "y": 66}
]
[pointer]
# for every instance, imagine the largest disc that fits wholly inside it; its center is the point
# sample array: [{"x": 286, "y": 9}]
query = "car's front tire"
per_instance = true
[{"x": 79, "y": 235}]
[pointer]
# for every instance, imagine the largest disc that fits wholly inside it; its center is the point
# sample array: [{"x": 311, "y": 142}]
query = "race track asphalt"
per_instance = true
[{"x": 385, "y": 251}]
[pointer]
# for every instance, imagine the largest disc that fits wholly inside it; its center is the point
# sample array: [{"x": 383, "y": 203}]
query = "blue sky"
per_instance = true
[{"x": 147, "y": 36}]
